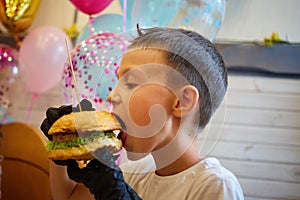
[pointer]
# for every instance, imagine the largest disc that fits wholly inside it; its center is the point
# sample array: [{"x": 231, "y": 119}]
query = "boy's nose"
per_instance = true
[
  {"x": 112, "y": 97},
  {"x": 109, "y": 97}
]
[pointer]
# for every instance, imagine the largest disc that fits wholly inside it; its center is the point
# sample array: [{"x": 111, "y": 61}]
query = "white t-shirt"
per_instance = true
[{"x": 206, "y": 180}]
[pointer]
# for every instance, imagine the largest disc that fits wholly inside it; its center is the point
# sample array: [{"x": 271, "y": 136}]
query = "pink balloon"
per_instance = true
[
  {"x": 42, "y": 57},
  {"x": 91, "y": 6}
]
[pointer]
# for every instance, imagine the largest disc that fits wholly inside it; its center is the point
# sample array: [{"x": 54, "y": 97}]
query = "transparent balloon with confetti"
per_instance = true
[
  {"x": 202, "y": 16},
  {"x": 8, "y": 73},
  {"x": 95, "y": 62}
]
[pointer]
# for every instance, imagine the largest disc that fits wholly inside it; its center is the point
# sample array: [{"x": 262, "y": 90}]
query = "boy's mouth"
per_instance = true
[
  {"x": 120, "y": 121},
  {"x": 121, "y": 135}
]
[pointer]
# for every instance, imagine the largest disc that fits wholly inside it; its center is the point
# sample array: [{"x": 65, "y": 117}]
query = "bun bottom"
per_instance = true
[
  {"x": 76, "y": 153},
  {"x": 85, "y": 152}
]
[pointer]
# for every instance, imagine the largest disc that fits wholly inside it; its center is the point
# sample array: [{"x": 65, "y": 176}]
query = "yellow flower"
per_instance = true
[{"x": 273, "y": 39}]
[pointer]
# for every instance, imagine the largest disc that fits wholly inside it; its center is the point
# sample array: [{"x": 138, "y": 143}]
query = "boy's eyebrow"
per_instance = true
[{"x": 125, "y": 71}]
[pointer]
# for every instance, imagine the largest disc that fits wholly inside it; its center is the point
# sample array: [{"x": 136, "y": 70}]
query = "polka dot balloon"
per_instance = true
[
  {"x": 8, "y": 73},
  {"x": 95, "y": 62}
]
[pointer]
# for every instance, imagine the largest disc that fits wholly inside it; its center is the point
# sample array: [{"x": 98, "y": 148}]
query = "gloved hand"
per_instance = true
[
  {"x": 102, "y": 176},
  {"x": 105, "y": 179},
  {"x": 53, "y": 114}
]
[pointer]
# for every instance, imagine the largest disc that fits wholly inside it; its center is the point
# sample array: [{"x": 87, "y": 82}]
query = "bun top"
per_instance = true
[{"x": 85, "y": 121}]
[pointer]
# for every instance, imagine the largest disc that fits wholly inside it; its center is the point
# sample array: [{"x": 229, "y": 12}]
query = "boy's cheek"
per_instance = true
[
  {"x": 142, "y": 100},
  {"x": 139, "y": 110}
]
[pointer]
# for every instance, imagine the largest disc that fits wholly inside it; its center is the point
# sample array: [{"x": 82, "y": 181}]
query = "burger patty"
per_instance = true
[
  {"x": 67, "y": 140},
  {"x": 65, "y": 137}
]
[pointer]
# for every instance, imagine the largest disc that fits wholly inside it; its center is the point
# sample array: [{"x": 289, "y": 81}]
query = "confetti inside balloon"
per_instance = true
[
  {"x": 3, "y": 114},
  {"x": 95, "y": 62},
  {"x": 153, "y": 13},
  {"x": 8, "y": 73},
  {"x": 202, "y": 16}
]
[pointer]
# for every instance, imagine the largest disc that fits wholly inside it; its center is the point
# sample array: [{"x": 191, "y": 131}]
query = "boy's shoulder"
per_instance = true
[
  {"x": 215, "y": 177},
  {"x": 211, "y": 168}
]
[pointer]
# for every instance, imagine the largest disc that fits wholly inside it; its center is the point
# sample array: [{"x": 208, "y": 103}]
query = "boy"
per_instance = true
[{"x": 171, "y": 81}]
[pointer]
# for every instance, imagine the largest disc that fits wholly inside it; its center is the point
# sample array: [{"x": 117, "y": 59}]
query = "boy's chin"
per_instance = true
[{"x": 135, "y": 156}]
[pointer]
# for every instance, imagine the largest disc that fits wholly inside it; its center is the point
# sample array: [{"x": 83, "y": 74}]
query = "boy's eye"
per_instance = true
[{"x": 131, "y": 85}]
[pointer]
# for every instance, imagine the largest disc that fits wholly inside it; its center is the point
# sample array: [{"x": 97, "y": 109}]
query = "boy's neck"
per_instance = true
[{"x": 189, "y": 158}]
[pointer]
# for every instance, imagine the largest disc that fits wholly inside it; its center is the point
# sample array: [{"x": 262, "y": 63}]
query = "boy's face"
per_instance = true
[{"x": 144, "y": 102}]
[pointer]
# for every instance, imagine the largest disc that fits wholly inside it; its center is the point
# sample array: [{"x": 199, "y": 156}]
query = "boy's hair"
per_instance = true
[{"x": 195, "y": 58}]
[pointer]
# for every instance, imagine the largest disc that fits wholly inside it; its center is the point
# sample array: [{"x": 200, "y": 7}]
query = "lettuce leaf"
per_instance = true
[{"x": 51, "y": 145}]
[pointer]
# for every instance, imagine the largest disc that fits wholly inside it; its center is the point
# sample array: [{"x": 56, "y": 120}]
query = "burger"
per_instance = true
[{"x": 79, "y": 134}]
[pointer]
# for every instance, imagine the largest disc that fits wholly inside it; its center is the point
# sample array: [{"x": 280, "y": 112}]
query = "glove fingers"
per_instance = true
[
  {"x": 61, "y": 162},
  {"x": 105, "y": 157},
  {"x": 64, "y": 110},
  {"x": 45, "y": 126},
  {"x": 93, "y": 164},
  {"x": 52, "y": 115},
  {"x": 74, "y": 172},
  {"x": 86, "y": 105}
]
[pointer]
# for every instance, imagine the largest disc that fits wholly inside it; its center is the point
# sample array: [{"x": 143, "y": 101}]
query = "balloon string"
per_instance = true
[
  {"x": 124, "y": 14},
  {"x": 91, "y": 25},
  {"x": 73, "y": 74},
  {"x": 18, "y": 41},
  {"x": 33, "y": 100},
  {"x": 75, "y": 16}
]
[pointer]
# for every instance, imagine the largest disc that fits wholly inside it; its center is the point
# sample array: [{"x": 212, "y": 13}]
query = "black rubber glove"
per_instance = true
[
  {"x": 53, "y": 114},
  {"x": 102, "y": 176}
]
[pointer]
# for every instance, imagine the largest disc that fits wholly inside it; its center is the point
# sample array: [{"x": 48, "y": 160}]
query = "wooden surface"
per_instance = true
[
  {"x": 26, "y": 165},
  {"x": 260, "y": 139}
]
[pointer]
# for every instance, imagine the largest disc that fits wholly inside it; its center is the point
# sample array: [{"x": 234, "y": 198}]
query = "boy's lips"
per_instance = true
[
  {"x": 122, "y": 135},
  {"x": 120, "y": 121}
]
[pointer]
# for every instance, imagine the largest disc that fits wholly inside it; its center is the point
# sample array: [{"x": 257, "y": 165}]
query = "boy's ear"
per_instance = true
[{"x": 186, "y": 101}]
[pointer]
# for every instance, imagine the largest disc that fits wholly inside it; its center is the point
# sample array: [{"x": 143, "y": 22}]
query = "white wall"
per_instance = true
[
  {"x": 244, "y": 20},
  {"x": 254, "y": 19}
]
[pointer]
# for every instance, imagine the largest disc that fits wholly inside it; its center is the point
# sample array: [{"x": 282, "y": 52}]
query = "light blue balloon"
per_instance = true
[
  {"x": 153, "y": 13},
  {"x": 129, "y": 4},
  {"x": 112, "y": 23}
]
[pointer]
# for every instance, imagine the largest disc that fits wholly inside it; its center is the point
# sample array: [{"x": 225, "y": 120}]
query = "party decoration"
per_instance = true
[
  {"x": 153, "y": 13},
  {"x": 42, "y": 57},
  {"x": 101, "y": 24},
  {"x": 126, "y": 6},
  {"x": 129, "y": 6},
  {"x": 72, "y": 32},
  {"x": 91, "y": 7},
  {"x": 202, "y": 16},
  {"x": 17, "y": 16},
  {"x": 4, "y": 117},
  {"x": 3, "y": 114},
  {"x": 8, "y": 73},
  {"x": 95, "y": 62}
]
